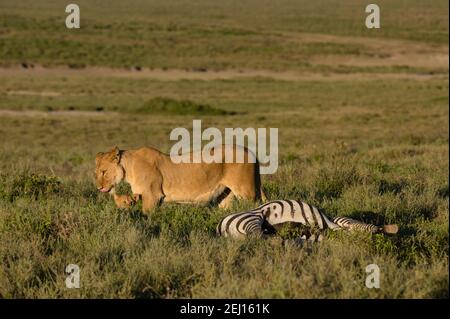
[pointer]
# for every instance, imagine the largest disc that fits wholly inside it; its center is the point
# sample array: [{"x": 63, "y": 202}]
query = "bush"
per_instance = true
[
  {"x": 332, "y": 181},
  {"x": 29, "y": 185}
]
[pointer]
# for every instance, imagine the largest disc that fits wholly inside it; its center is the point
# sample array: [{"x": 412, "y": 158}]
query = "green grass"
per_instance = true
[
  {"x": 128, "y": 95},
  {"x": 344, "y": 152},
  {"x": 220, "y": 36},
  {"x": 174, "y": 253},
  {"x": 168, "y": 106},
  {"x": 371, "y": 148}
]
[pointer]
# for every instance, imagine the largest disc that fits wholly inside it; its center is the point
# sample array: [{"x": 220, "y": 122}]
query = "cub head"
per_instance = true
[
  {"x": 108, "y": 171},
  {"x": 124, "y": 201}
]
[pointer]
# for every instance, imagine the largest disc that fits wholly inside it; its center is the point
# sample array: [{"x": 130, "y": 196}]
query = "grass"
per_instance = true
[
  {"x": 174, "y": 253},
  {"x": 366, "y": 141},
  {"x": 175, "y": 35},
  {"x": 168, "y": 106},
  {"x": 363, "y": 166}
]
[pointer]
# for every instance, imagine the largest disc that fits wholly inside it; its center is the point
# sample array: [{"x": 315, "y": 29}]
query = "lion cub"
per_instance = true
[{"x": 125, "y": 201}]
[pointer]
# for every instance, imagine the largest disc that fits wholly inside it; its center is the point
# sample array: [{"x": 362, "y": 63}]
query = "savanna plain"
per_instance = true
[{"x": 363, "y": 122}]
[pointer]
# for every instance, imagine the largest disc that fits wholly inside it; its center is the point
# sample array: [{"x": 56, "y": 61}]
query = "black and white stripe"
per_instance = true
[
  {"x": 254, "y": 222},
  {"x": 351, "y": 224}
]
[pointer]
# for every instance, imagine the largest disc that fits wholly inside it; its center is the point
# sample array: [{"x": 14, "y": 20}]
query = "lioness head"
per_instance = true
[{"x": 108, "y": 172}]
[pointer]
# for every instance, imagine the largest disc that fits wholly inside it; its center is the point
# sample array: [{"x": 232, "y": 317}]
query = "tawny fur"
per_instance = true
[{"x": 125, "y": 201}]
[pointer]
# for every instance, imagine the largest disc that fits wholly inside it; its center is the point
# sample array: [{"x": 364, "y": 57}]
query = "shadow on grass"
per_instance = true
[
  {"x": 368, "y": 217},
  {"x": 169, "y": 106}
]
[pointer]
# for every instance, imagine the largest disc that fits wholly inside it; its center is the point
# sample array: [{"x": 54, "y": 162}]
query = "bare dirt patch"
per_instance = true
[
  {"x": 176, "y": 74},
  {"x": 35, "y": 113},
  {"x": 434, "y": 60},
  {"x": 34, "y": 93},
  {"x": 383, "y": 52}
]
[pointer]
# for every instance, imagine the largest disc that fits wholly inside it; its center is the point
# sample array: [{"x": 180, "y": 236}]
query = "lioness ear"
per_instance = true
[
  {"x": 97, "y": 157},
  {"x": 116, "y": 154}
]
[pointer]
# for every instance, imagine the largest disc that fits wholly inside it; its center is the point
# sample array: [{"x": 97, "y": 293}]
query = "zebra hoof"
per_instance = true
[{"x": 390, "y": 229}]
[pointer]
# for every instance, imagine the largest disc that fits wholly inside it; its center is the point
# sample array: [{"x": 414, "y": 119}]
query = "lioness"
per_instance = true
[{"x": 155, "y": 178}]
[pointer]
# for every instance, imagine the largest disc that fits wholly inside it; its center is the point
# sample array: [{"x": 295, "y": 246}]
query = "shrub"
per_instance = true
[
  {"x": 29, "y": 185},
  {"x": 331, "y": 181}
]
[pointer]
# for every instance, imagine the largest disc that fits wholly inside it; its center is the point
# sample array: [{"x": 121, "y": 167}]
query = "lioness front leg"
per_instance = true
[{"x": 149, "y": 202}]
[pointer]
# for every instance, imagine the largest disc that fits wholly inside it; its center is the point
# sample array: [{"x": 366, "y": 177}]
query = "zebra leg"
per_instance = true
[{"x": 352, "y": 224}]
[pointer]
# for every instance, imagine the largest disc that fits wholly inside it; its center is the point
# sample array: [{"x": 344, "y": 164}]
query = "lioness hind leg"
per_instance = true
[
  {"x": 244, "y": 193},
  {"x": 263, "y": 196},
  {"x": 227, "y": 200}
]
